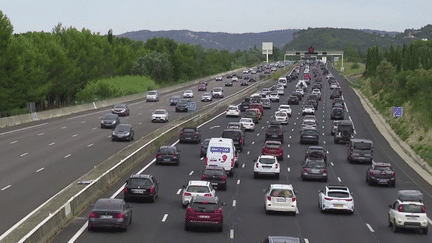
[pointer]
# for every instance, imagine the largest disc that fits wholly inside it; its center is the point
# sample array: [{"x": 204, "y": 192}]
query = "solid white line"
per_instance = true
[
  {"x": 238, "y": 182},
  {"x": 67, "y": 156},
  {"x": 13, "y": 142},
  {"x": 179, "y": 190},
  {"x": 430, "y": 221},
  {"x": 74, "y": 135},
  {"x": 288, "y": 169},
  {"x": 346, "y": 108},
  {"x": 40, "y": 134},
  {"x": 6, "y": 187},
  {"x": 21, "y": 129},
  {"x": 370, "y": 228},
  {"x": 234, "y": 203},
  {"x": 191, "y": 172},
  {"x": 339, "y": 179},
  {"x": 51, "y": 144},
  {"x": 232, "y": 234},
  {"x": 80, "y": 231},
  {"x": 24, "y": 154},
  {"x": 41, "y": 169},
  {"x": 248, "y": 152},
  {"x": 90, "y": 145},
  {"x": 164, "y": 217},
  {"x": 243, "y": 165}
]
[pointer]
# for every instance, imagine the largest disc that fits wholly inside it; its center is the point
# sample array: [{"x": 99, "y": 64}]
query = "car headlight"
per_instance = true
[
  {"x": 127, "y": 134},
  {"x": 114, "y": 122}
]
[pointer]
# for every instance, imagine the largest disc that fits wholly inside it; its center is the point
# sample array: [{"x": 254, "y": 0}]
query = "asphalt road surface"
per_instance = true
[{"x": 244, "y": 216}]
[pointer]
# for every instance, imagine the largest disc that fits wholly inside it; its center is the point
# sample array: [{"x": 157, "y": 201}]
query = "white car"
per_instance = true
[
  {"x": 336, "y": 198},
  {"x": 248, "y": 123},
  {"x": 160, "y": 115},
  {"x": 334, "y": 86},
  {"x": 308, "y": 110},
  {"x": 308, "y": 125},
  {"x": 310, "y": 118},
  {"x": 408, "y": 211},
  {"x": 188, "y": 94},
  {"x": 217, "y": 92},
  {"x": 233, "y": 110},
  {"x": 206, "y": 97},
  {"x": 280, "y": 91},
  {"x": 281, "y": 116},
  {"x": 234, "y": 79},
  {"x": 245, "y": 71},
  {"x": 317, "y": 92},
  {"x": 281, "y": 198},
  {"x": 286, "y": 108},
  {"x": 274, "y": 97},
  {"x": 219, "y": 78},
  {"x": 266, "y": 165},
  {"x": 196, "y": 188},
  {"x": 300, "y": 91}
]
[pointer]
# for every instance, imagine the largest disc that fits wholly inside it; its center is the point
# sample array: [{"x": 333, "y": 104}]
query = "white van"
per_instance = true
[
  {"x": 221, "y": 152},
  {"x": 282, "y": 81}
]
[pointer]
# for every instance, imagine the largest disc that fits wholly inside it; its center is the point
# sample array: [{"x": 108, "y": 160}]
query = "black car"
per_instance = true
[
  {"x": 360, "y": 150},
  {"x": 298, "y": 94},
  {"x": 229, "y": 76},
  {"x": 110, "y": 121},
  {"x": 275, "y": 133},
  {"x": 238, "y": 137},
  {"x": 229, "y": 82},
  {"x": 182, "y": 105},
  {"x": 313, "y": 103},
  {"x": 168, "y": 154},
  {"x": 216, "y": 175},
  {"x": 123, "y": 132},
  {"x": 309, "y": 136},
  {"x": 244, "y": 105},
  {"x": 141, "y": 186},
  {"x": 313, "y": 97},
  {"x": 334, "y": 94},
  {"x": 345, "y": 131},
  {"x": 293, "y": 100},
  {"x": 110, "y": 213},
  {"x": 316, "y": 152},
  {"x": 173, "y": 100},
  {"x": 246, "y": 78},
  {"x": 244, "y": 82},
  {"x": 204, "y": 146},
  {"x": 252, "y": 79},
  {"x": 190, "y": 134},
  {"x": 338, "y": 101},
  {"x": 313, "y": 168},
  {"x": 337, "y": 113},
  {"x": 121, "y": 110}
]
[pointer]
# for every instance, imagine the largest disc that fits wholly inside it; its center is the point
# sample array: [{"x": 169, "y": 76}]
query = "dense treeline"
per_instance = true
[{"x": 51, "y": 68}]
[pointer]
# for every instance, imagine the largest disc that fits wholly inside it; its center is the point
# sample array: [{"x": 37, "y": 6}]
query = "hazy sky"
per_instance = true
[{"x": 232, "y": 16}]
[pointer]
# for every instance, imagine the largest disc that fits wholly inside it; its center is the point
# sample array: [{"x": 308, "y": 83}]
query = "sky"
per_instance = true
[{"x": 231, "y": 16}]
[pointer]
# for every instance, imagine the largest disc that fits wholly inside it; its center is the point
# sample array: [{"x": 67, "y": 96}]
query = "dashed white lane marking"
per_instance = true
[
  {"x": 94, "y": 128},
  {"x": 292, "y": 129},
  {"x": 297, "y": 211},
  {"x": 191, "y": 172},
  {"x": 201, "y": 158},
  {"x": 339, "y": 179},
  {"x": 323, "y": 134},
  {"x": 324, "y": 142},
  {"x": 40, "y": 134},
  {"x": 214, "y": 127},
  {"x": 238, "y": 182},
  {"x": 290, "y": 137},
  {"x": 74, "y": 135},
  {"x": 164, "y": 217},
  {"x": 6, "y": 187},
  {"x": 288, "y": 156},
  {"x": 83, "y": 122},
  {"x": 248, "y": 152},
  {"x": 67, "y": 156},
  {"x": 179, "y": 190},
  {"x": 232, "y": 234},
  {"x": 297, "y": 118},
  {"x": 323, "y": 126},
  {"x": 243, "y": 165},
  {"x": 13, "y": 142},
  {"x": 306, "y": 240},
  {"x": 140, "y": 107},
  {"x": 90, "y": 145},
  {"x": 346, "y": 108},
  {"x": 140, "y": 113},
  {"x": 295, "y": 123},
  {"x": 109, "y": 136},
  {"x": 24, "y": 154},
  {"x": 332, "y": 163},
  {"x": 253, "y": 142},
  {"x": 63, "y": 127},
  {"x": 234, "y": 203},
  {"x": 288, "y": 169},
  {"x": 140, "y": 123},
  {"x": 51, "y": 144},
  {"x": 262, "y": 127},
  {"x": 289, "y": 145},
  {"x": 41, "y": 169},
  {"x": 370, "y": 228},
  {"x": 257, "y": 134}
]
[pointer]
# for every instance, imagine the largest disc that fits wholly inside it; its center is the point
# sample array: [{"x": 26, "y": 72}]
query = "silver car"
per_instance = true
[
  {"x": 160, "y": 115},
  {"x": 152, "y": 96}
]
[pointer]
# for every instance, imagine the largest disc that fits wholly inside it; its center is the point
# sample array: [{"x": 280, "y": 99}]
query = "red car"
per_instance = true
[
  {"x": 257, "y": 106},
  {"x": 204, "y": 211},
  {"x": 202, "y": 87},
  {"x": 274, "y": 148},
  {"x": 203, "y": 82}
]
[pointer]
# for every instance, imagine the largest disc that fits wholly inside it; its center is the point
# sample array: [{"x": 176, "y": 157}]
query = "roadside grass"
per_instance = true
[{"x": 350, "y": 68}]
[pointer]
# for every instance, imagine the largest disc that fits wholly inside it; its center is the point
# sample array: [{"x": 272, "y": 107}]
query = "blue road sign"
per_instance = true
[
  {"x": 191, "y": 106},
  {"x": 397, "y": 111}
]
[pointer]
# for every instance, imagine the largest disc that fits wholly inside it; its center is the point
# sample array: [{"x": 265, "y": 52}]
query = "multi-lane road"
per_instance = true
[
  {"x": 40, "y": 159},
  {"x": 244, "y": 216}
]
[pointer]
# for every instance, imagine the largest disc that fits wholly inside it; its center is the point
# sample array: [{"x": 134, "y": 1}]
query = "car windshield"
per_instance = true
[
  {"x": 198, "y": 189},
  {"x": 309, "y": 123},
  {"x": 233, "y": 126},
  {"x": 232, "y": 108},
  {"x": 122, "y": 128},
  {"x": 338, "y": 194},
  {"x": 250, "y": 112},
  {"x": 110, "y": 117},
  {"x": 315, "y": 165},
  {"x": 183, "y": 101},
  {"x": 267, "y": 161},
  {"x": 159, "y": 112},
  {"x": 308, "y": 107},
  {"x": 120, "y": 106},
  {"x": 285, "y": 107},
  {"x": 167, "y": 150},
  {"x": 188, "y": 130},
  {"x": 281, "y": 193},
  {"x": 280, "y": 114},
  {"x": 206, "y": 94},
  {"x": 139, "y": 182},
  {"x": 151, "y": 93},
  {"x": 204, "y": 206},
  {"x": 383, "y": 168},
  {"x": 412, "y": 208},
  {"x": 363, "y": 146},
  {"x": 217, "y": 90},
  {"x": 214, "y": 172},
  {"x": 108, "y": 205},
  {"x": 245, "y": 120}
]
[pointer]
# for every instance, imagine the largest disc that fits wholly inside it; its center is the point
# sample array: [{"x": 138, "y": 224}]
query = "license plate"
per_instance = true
[
  {"x": 188, "y": 138},
  {"x": 106, "y": 216},
  {"x": 338, "y": 205},
  {"x": 274, "y": 136},
  {"x": 204, "y": 216},
  {"x": 315, "y": 170},
  {"x": 167, "y": 159},
  {"x": 267, "y": 167},
  {"x": 382, "y": 181},
  {"x": 361, "y": 157},
  {"x": 280, "y": 200},
  {"x": 138, "y": 191},
  {"x": 214, "y": 184}
]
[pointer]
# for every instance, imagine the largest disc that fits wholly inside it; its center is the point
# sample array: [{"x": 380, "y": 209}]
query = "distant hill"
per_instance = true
[{"x": 218, "y": 40}]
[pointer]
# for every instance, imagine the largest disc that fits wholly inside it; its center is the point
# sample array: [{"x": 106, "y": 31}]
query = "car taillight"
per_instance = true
[
  {"x": 203, "y": 177},
  {"x": 237, "y": 110},
  {"x": 293, "y": 199},
  {"x": 93, "y": 215},
  {"x": 348, "y": 200},
  {"x": 371, "y": 151},
  {"x": 181, "y": 133},
  {"x": 219, "y": 210},
  {"x": 277, "y": 166},
  {"x": 257, "y": 165},
  {"x": 175, "y": 154},
  {"x": 196, "y": 134},
  {"x": 207, "y": 195},
  {"x": 352, "y": 149},
  {"x": 325, "y": 171},
  {"x": 223, "y": 178},
  {"x": 268, "y": 198},
  {"x": 241, "y": 141},
  {"x": 206, "y": 160},
  {"x": 400, "y": 208},
  {"x": 119, "y": 216},
  {"x": 152, "y": 189},
  {"x": 328, "y": 199},
  {"x": 158, "y": 155},
  {"x": 227, "y": 110},
  {"x": 372, "y": 173},
  {"x": 423, "y": 209},
  {"x": 187, "y": 194},
  {"x": 232, "y": 162},
  {"x": 305, "y": 169},
  {"x": 251, "y": 124},
  {"x": 393, "y": 175},
  {"x": 125, "y": 189}
]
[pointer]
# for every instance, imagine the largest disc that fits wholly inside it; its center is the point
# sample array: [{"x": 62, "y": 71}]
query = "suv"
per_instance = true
[
  {"x": 316, "y": 152},
  {"x": 408, "y": 211},
  {"x": 204, "y": 211},
  {"x": 381, "y": 173},
  {"x": 190, "y": 134},
  {"x": 337, "y": 113},
  {"x": 237, "y": 135},
  {"x": 345, "y": 132},
  {"x": 216, "y": 175},
  {"x": 245, "y": 104},
  {"x": 141, "y": 186},
  {"x": 217, "y": 92},
  {"x": 168, "y": 154},
  {"x": 275, "y": 133},
  {"x": 182, "y": 105},
  {"x": 360, "y": 150},
  {"x": 152, "y": 96}
]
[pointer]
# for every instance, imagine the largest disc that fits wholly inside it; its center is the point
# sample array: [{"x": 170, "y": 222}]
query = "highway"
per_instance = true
[
  {"x": 40, "y": 159},
  {"x": 244, "y": 216}
]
